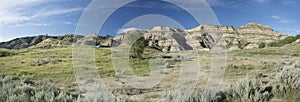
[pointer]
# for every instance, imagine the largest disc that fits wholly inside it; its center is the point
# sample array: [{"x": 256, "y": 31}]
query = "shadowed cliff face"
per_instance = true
[{"x": 182, "y": 42}]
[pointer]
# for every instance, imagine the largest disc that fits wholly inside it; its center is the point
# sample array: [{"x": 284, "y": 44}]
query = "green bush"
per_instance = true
[
  {"x": 15, "y": 91},
  {"x": 298, "y": 36},
  {"x": 262, "y": 45},
  {"x": 287, "y": 83},
  {"x": 285, "y": 41},
  {"x": 248, "y": 90},
  {"x": 4, "y": 53},
  {"x": 138, "y": 47}
]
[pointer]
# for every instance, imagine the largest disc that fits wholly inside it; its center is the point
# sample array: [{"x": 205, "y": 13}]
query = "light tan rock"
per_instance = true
[
  {"x": 298, "y": 41},
  {"x": 234, "y": 48},
  {"x": 251, "y": 46},
  {"x": 205, "y": 36}
]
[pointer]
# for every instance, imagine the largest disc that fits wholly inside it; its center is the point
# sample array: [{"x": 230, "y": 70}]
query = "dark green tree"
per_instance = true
[
  {"x": 138, "y": 47},
  {"x": 262, "y": 45}
]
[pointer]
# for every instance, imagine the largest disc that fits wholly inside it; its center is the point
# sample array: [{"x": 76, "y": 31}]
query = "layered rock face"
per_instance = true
[
  {"x": 205, "y": 37},
  {"x": 248, "y": 36},
  {"x": 166, "y": 39}
]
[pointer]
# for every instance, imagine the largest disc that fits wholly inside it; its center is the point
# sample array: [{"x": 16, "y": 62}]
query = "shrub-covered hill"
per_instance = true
[{"x": 25, "y": 42}]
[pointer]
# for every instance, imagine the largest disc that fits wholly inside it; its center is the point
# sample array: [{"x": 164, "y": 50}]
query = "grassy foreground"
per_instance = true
[{"x": 246, "y": 70}]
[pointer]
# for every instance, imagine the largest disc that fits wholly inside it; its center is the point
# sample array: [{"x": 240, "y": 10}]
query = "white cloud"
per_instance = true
[
  {"x": 32, "y": 24},
  {"x": 223, "y": 3},
  {"x": 12, "y": 11},
  {"x": 275, "y": 17},
  {"x": 215, "y": 2},
  {"x": 67, "y": 22},
  {"x": 125, "y": 30},
  {"x": 8, "y": 4},
  {"x": 15, "y": 11},
  {"x": 281, "y": 20},
  {"x": 261, "y": 1},
  {"x": 56, "y": 12},
  {"x": 70, "y": 23}
]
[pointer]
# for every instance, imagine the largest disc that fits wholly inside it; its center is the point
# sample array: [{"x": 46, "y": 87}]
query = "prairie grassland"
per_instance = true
[{"x": 56, "y": 64}]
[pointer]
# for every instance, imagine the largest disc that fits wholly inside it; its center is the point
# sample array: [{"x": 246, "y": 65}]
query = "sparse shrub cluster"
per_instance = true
[
  {"x": 262, "y": 45},
  {"x": 285, "y": 41},
  {"x": 4, "y": 53},
  {"x": 16, "y": 91},
  {"x": 249, "y": 90},
  {"x": 298, "y": 36},
  {"x": 287, "y": 83},
  {"x": 285, "y": 86},
  {"x": 41, "y": 62},
  {"x": 208, "y": 95}
]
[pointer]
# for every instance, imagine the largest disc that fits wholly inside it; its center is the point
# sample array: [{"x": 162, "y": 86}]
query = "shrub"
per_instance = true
[
  {"x": 285, "y": 41},
  {"x": 4, "y": 53},
  {"x": 287, "y": 83},
  {"x": 248, "y": 90},
  {"x": 15, "y": 91},
  {"x": 262, "y": 45},
  {"x": 45, "y": 61},
  {"x": 298, "y": 36},
  {"x": 138, "y": 47},
  {"x": 208, "y": 94}
]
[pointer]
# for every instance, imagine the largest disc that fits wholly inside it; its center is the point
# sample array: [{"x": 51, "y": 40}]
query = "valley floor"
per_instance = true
[{"x": 56, "y": 64}]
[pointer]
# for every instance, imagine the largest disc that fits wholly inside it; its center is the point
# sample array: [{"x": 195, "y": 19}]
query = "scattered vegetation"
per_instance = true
[
  {"x": 44, "y": 61},
  {"x": 56, "y": 63},
  {"x": 285, "y": 41},
  {"x": 5, "y": 52},
  {"x": 15, "y": 91},
  {"x": 248, "y": 90},
  {"x": 287, "y": 83},
  {"x": 243, "y": 44},
  {"x": 262, "y": 45},
  {"x": 298, "y": 36},
  {"x": 285, "y": 87},
  {"x": 138, "y": 47}
]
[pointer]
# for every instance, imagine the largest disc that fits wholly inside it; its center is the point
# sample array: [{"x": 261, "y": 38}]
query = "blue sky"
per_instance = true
[{"x": 19, "y": 18}]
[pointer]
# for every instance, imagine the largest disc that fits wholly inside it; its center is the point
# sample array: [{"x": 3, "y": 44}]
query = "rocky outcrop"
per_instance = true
[
  {"x": 246, "y": 37},
  {"x": 45, "y": 41},
  {"x": 95, "y": 40},
  {"x": 23, "y": 42},
  {"x": 161, "y": 38},
  {"x": 297, "y": 41},
  {"x": 50, "y": 42},
  {"x": 166, "y": 39},
  {"x": 205, "y": 37}
]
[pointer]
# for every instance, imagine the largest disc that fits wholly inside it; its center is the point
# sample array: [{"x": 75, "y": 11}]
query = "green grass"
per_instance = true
[
  {"x": 22, "y": 61},
  {"x": 240, "y": 64}
]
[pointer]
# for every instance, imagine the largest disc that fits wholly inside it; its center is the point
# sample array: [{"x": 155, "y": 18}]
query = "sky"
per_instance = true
[{"x": 21, "y": 18}]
